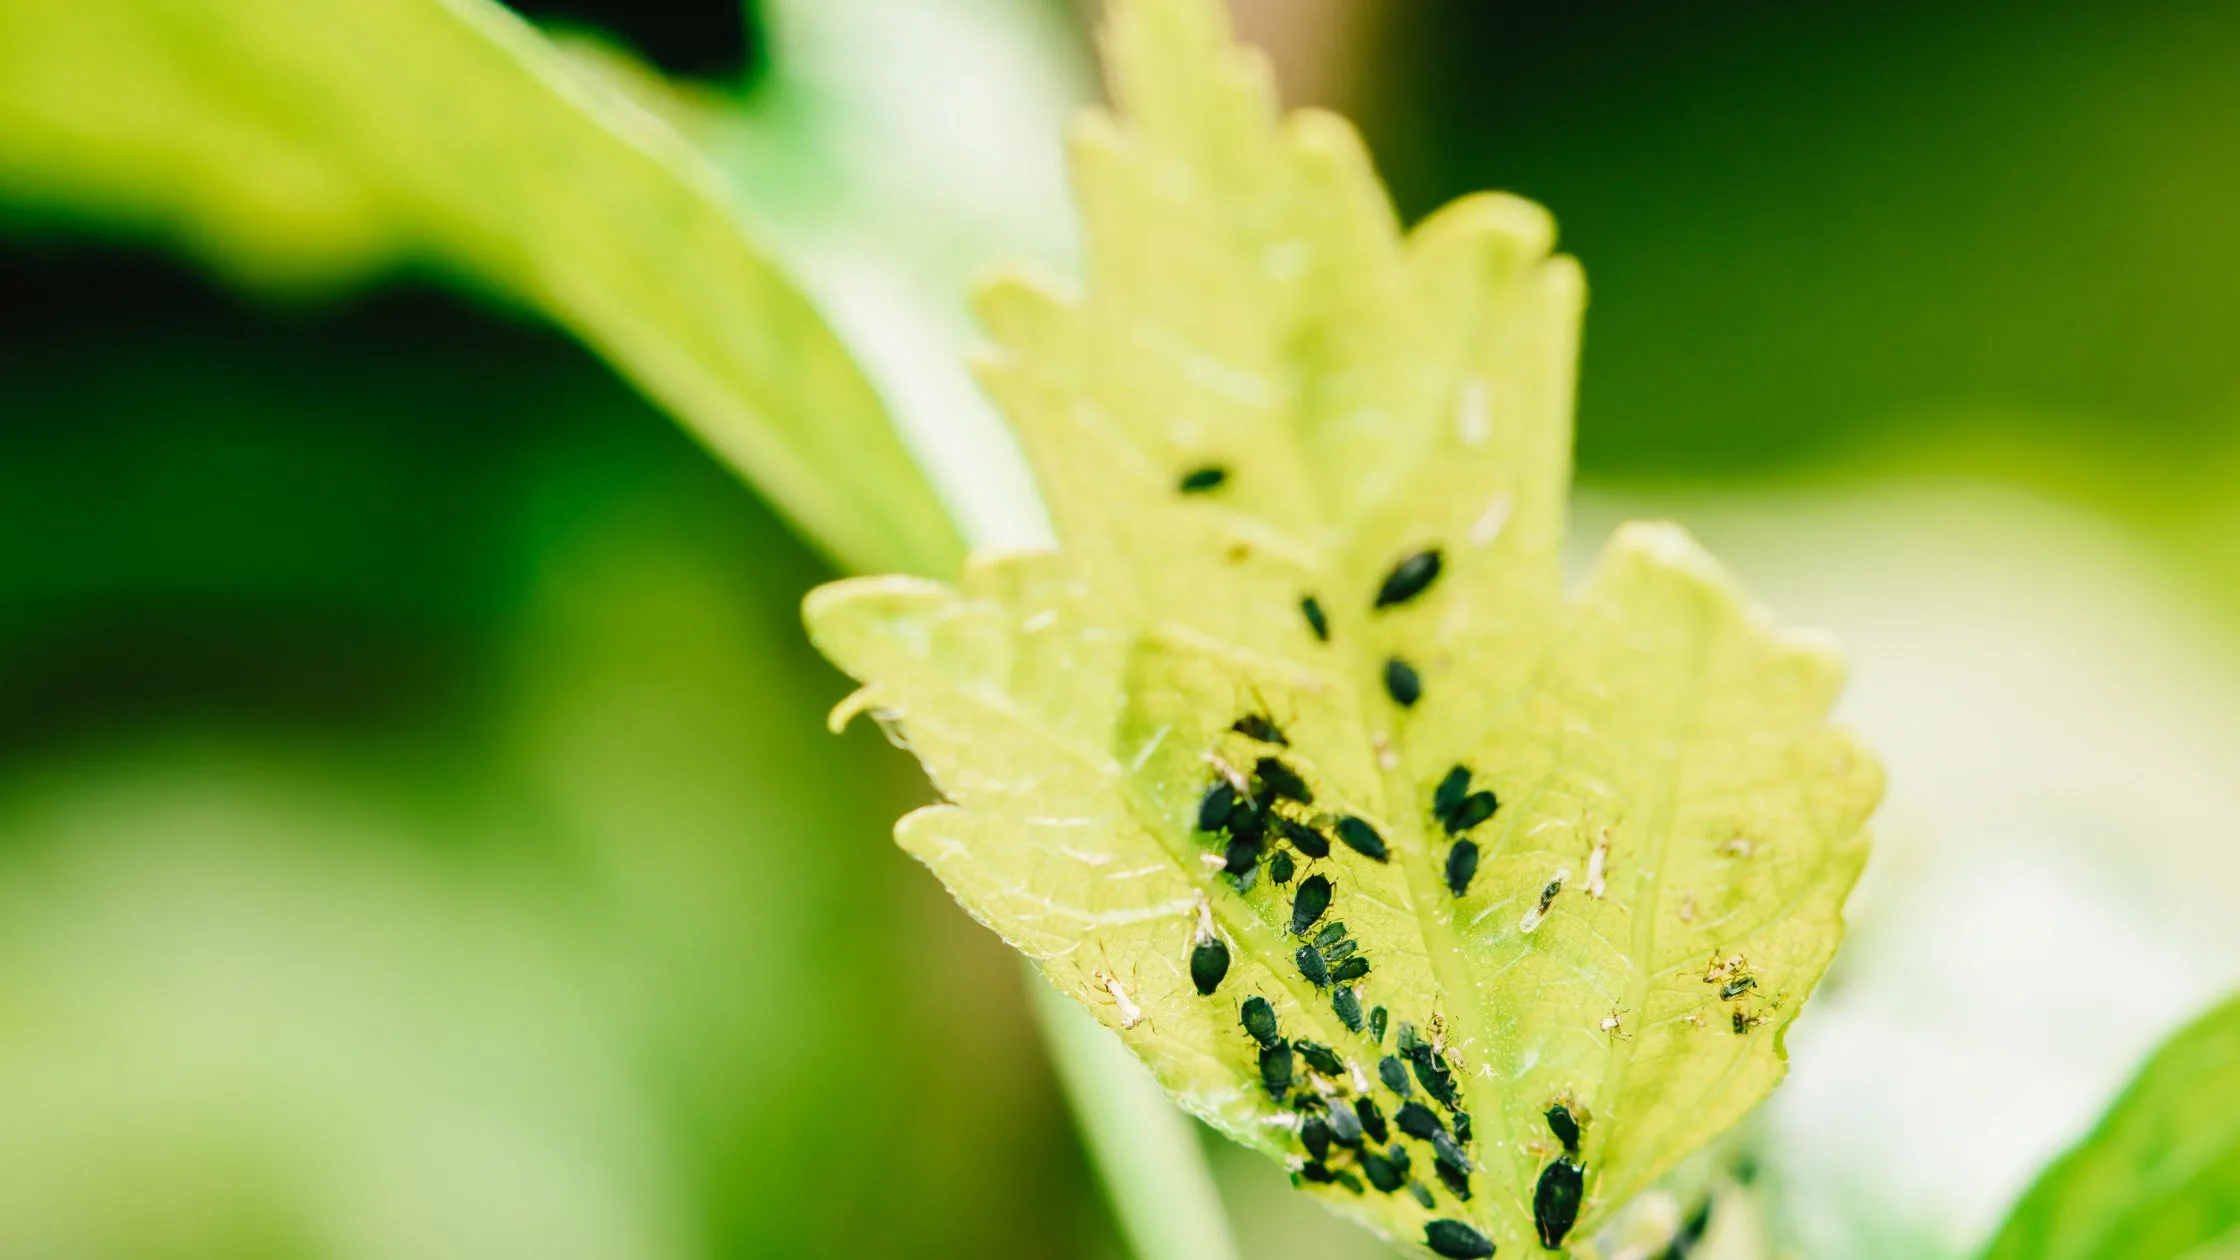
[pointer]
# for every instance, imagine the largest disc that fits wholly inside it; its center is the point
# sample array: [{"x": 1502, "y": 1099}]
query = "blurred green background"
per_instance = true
[{"x": 418, "y": 836}]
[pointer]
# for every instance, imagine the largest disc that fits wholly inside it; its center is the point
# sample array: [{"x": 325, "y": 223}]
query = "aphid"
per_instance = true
[
  {"x": 1362, "y": 838},
  {"x": 1737, "y": 987},
  {"x": 1448, "y": 795},
  {"x": 1376, "y": 1025},
  {"x": 1555, "y": 1203},
  {"x": 1449, "y": 1151},
  {"x": 1200, "y": 480},
  {"x": 1209, "y": 962},
  {"x": 1409, "y": 578},
  {"x": 1220, "y": 801},
  {"x": 1745, "y": 1022},
  {"x": 1614, "y": 1024},
  {"x": 1402, "y": 683},
  {"x": 1345, "y": 1127},
  {"x": 1315, "y": 1171},
  {"x": 1320, "y": 1057},
  {"x": 1315, "y": 620},
  {"x": 1347, "y": 1004},
  {"x": 1249, "y": 821},
  {"x": 1343, "y": 949},
  {"x": 1348, "y": 1180},
  {"x": 1330, "y": 935},
  {"x": 1350, "y": 970},
  {"x": 1257, "y": 726},
  {"x": 1305, "y": 839},
  {"x": 1565, "y": 1126},
  {"x": 1469, "y": 812},
  {"x": 1281, "y": 868},
  {"x": 1462, "y": 866},
  {"x": 1419, "y": 1122},
  {"x": 1260, "y": 1022},
  {"x": 1275, "y": 1067},
  {"x": 1456, "y": 1241},
  {"x": 1594, "y": 886},
  {"x": 1240, "y": 856},
  {"x": 1394, "y": 1074},
  {"x": 1398, "y": 1154},
  {"x": 1454, "y": 1179},
  {"x": 1422, "y": 1195},
  {"x": 1315, "y": 1135},
  {"x": 1533, "y": 917},
  {"x": 1309, "y": 903},
  {"x": 1435, "y": 1079},
  {"x": 1372, "y": 1121},
  {"x": 1283, "y": 780},
  {"x": 1381, "y": 1172},
  {"x": 1312, "y": 967},
  {"x": 1462, "y": 1126}
]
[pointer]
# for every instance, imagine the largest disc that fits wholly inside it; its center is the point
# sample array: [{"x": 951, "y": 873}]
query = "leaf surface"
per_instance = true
[{"x": 1267, "y": 395}]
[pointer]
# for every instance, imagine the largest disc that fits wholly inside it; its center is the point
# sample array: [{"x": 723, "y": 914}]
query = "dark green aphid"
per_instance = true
[
  {"x": 1343, "y": 949},
  {"x": 1348, "y": 1009},
  {"x": 1330, "y": 935},
  {"x": 1283, "y": 780},
  {"x": 1303, "y": 838},
  {"x": 1447, "y": 797},
  {"x": 1315, "y": 620},
  {"x": 1200, "y": 480},
  {"x": 1402, "y": 683},
  {"x": 1372, "y": 1119},
  {"x": 1315, "y": 1136},
  {"x": 1454, "y": 1179},
  {"x": 1422, "y": 1195},
  {"x": 1315, "y": 1171},
  {"x": 1275, "y": 1068},
  {"x": 1312, "y": 967},
  {"x": 1260, "y": 1021},
  {"x": 1462, "y": 866},
  {"x": 1309, "y": 903},
  {"x": 1376, "y": 1025},
  {"x": 1240, "y": 857},
  {"x": 1456, "y": 1241},
  {"x": 1450, "y": 1151},
  {"x": 1737, "y": 987},
  {"x": 1398, "y": 1154},
  {"x": 1362, "y": 838},
  {"x": 1462, "y": 1126},
  {"x": 1474, "y": 809},
  {"x": 1209, "y": 962},
  {"x": 1419, "y": 1122},
  {"x": 1348, "y": 1180},
  {"x": 1345, "y": 1127},
  {"x": 1220, "y": 801},
  {"x": 1257, "y": 726},
  {"x": 1394, "y": 1074},
  {"x": 1350, "y": 970},
  {"x": 1564, "y": 1126},
  {"x": 1555, "y": 1203},
  {"x": 1381, "y": 1172},
  {"x": 1281, "y": 868},
  {"x": 1320, "y": 1057},
  {"x": 1409, "y": 578},
  {"x": 1249, "y": 821}
]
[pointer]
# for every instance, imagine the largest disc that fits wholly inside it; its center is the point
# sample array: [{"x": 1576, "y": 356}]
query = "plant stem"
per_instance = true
[{"x": 1145, "y": 1149}]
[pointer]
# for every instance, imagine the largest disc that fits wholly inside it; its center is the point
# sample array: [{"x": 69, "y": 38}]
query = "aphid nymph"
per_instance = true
[
  {"x": 1456, "y": 1241},
  {"x": 1394, "y": 1074},
  {"x": 1565, "y": 1126},
  {"x": 1419, "y": 1122},
  {"x": 1362, "y": 838},
  {"x": 1346, "y": 1004},
  {"x": 1275, "y": 1068},
  {"x": 1469, "y": 812},
  {"x": 1462, "y": 866},
  {"x": 1312, "y": 967},
  {"x": 1409, "y": 578},
  {"x": 1309, "y": 903},
  {"x": 1320, "y": 1057},
  {"x": 1372, "y": 1120},
  {"x": 1260, "y": 1021},
  {"x": 1309, "y": 842},
  {"x": 1219, "y": 802},
  {"x": 1350, "y": 970},
  {"x": 1330, "y": 934},
  {"x": 1257, "y": 726},
  {"x": 1448, "y": 795},
  {"x": 1283, "y": 781},
  {"x": 1201, "y": 480},
  {"x": 1281, "y": 868},
  {"x": 1316, "y": 622},
  {"x": 1737, "y": 987},
  {"x": 1376, "y": 1025},
  {"x": 1402, "y": 683}
]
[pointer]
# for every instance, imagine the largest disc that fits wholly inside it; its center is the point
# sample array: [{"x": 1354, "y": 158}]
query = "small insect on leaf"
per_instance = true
[
  {"x": 1283, "y": 781},
  {"x": 1275, "y": 1068},
  {"x": 1409, "y": 578},
  {"x": 1377, "y": 1020},
  {"x": 1316, "y": 622},
  {"x": 1555, "y": 1202},
  {"x": 1219, "y": 802},
  {"x": 1201, "y": 480},
  {"x": 1372, "y": 1121},
  {"x": 1418, "y": 1121},
  {"x": 1456, "y": 1241},
  {"x": 1346, "y": 1005},
  {"x": 1564, "y": 1126},
  {"x": 1394, "y": 1074},
  {"x": 1382, "y": 1173},
  {"x": 1462, "y": 866},
  {"x": 1314, "y": 1134},
  {"x": 1209, "y": 962},
  {"x": 1345, "y": 1127},
  {"x": 1312, "y": 967},
  {"x": 1309, "y": 842},
  {"x": 1350, "y": 970},
  {"x": 1320, "y": 1057},
  {"x": 1447, "y": 797},
  {"x": 1402, "y": 683},
  {"x": 1330, "y": 935},
  {"x": 1362, "y": 838},
  {"x": 1309, "y": 903},
  {"x": 1260, "y": 1022},
  {"x": 1456, "y": 1180},
  {"x": 1281, "y": 868},
  {"x": 1257, "y": 726}
]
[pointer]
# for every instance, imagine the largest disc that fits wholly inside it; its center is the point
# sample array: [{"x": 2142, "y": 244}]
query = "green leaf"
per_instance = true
[
  {"x": 2160, "y": 1175},
  {"x": 1660, "y": 754},
  {"x": 295, "y": 142}
]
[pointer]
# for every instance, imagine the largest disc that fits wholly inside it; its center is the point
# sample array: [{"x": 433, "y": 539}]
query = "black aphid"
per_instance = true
[
  {"x": 1249, "y": 821},
  {"x": 1315, "y": 1171},
  {"x": 1433, "y": 1075},
  {"x": 1350, "y": 970},
  {"x": 1376, "y": 1025},
  {"x": 1555, "y": 1204},
  {"x": 1450, "y": 1151},
  {"x": 1394, "y": 1074},
  {"x": 1257, "y": 726},
  {"x": 1305, "y": 839},
  {"x": 1315, "y": 620},
  {"x": 1456, "y": 1241},
  {"x": 1454, "y": 1179},
  {"x": 1372, "y": 1119},
  {"x": 1564, "y": 1126},
  {"x": 1309, "y": 903},
  {"x": 1347, "y": 1005},
  {"x": 1362, "y": 838},
  {"x": 1209, "y": 962},
  {"x": 1330, "y": 935},
  {"x": 1422, "y": 1195},
  {"x": 1260, "y": 1021},
  {"x": 1401, "y": 683},
  {"x": 1312, "y": 967},
  {"x": 1462, "y": 866},
  {"x": 1283, "y": 780},
  {"x": 1315, "y": 1135},
  {"x": 1220, "y": 801},
  {"x": 1348, "y": 1180},
  {"x": 1281, "y": 868},
  {"x": 1344, "y": 948},
  {"x": 1275, "y": 1068},
  {"x": 1200, "y": 480},
  {"x": 1345, "y": 1127},
  {"x": 1462, "y": 1126},
  {"x": 1409, "y": 578},
  {"x": 1320, "y": 1057},
  {"x": 1419, "y": 1122},
  {"x": 1381, "y": 1172},
  {"x": 1240, "y": 856},
  {"x": 1473, "y": 809},
  {"x": 1448, "y": 795},
  {"x": 1737, "y": 987}
]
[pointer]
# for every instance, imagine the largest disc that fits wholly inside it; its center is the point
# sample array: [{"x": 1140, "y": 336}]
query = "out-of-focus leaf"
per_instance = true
[
  {"x": 293, "y": 142},
  {"x": 1268, "y": 396},
  {"x": 2160, "y": 1176}
]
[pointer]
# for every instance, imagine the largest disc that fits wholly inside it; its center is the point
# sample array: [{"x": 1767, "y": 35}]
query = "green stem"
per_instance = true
[{"x": 1145, "y": 1149}]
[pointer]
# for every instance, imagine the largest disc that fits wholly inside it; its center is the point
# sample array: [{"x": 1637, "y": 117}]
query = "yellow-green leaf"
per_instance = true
[
  {"x": 1265, "y": 395},
  {"x": 293, "y": 141},
  {"x": 2160, "y": 1176}
]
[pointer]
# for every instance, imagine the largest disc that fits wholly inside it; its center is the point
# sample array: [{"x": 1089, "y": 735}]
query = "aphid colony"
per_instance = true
[{"x": 1732, "y": 975}]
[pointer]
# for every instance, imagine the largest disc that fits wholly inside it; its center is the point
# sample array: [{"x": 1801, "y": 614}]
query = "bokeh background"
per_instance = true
[{"x": 418, "y": 837}]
